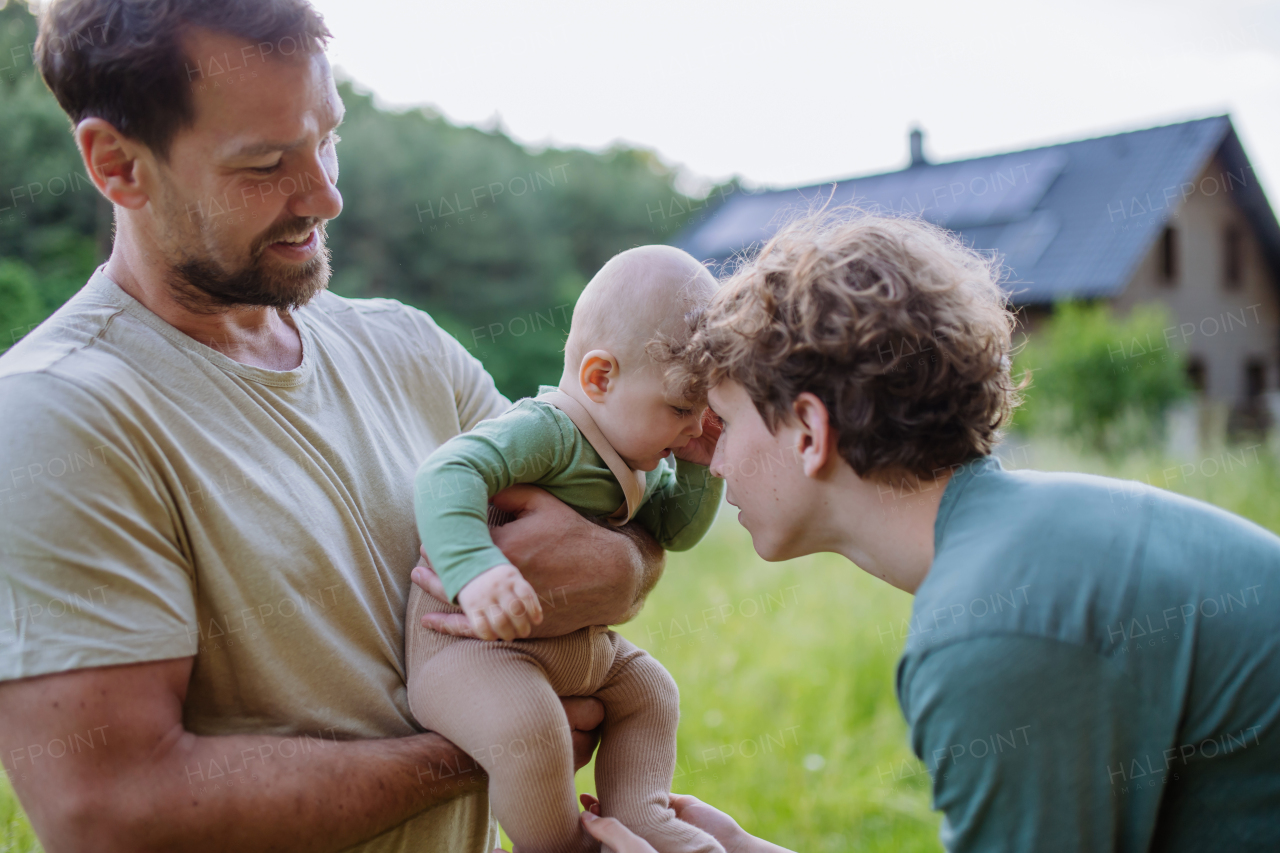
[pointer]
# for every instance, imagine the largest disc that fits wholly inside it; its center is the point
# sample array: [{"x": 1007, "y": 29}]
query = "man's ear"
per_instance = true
[
  {"x": 111, "y": 159},
  {"x": 815, "y": 439},
  {"x": 598, "y": 369}
]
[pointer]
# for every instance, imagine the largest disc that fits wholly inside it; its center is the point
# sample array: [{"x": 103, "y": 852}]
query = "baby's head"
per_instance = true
[{"x": 640, "y": 299}]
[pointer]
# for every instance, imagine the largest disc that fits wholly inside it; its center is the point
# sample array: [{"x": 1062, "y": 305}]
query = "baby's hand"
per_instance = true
[
  {"x": 702, "y": 448},
  {"x": 500, "y": 604}
]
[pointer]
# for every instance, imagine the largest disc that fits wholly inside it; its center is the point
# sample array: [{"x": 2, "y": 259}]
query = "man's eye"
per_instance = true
[{"x": 264, "y": 170}]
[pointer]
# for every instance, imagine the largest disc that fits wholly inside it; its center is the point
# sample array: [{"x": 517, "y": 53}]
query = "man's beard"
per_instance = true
[{"x": 203, "y": 286}]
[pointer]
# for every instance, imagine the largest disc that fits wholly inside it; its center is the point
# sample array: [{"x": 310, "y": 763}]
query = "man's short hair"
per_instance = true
[
  {"x": 898, "y": 327},
  {"x": 123, "y": 60}
]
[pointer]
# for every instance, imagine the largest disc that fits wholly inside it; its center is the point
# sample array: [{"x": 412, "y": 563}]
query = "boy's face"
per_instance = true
[
  {"x": 642, "y": 423},
  {"x": 763, "y": 475}
]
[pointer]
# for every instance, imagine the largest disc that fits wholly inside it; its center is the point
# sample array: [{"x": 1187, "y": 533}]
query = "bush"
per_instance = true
[
  {"x": 1105, "y": 381},
  {"x": 20, "y": 304}
]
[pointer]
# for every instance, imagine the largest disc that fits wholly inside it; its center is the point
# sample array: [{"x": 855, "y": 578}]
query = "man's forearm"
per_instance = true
[
  {"x": 647, "y": 564},
  {"x": 585, "y": 573},
  {"x": 249, "y": 792},
  {"x": 613, "y": 570}
]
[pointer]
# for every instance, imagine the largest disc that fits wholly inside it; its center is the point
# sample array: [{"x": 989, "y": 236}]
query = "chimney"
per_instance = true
[{"x": 917, "y": 148}]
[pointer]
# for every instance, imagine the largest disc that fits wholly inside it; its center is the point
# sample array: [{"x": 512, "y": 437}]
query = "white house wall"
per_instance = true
[{"x": 1224, "y": 328}]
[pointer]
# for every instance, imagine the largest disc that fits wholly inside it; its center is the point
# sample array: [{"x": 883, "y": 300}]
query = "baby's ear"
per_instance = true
[{"x": 596, "y": 375}]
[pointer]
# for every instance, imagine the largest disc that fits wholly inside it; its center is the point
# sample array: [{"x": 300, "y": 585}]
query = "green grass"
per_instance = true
[
  {"x": 789, "y": 721},
  {"x": 15, "y": 833},
  {"x": 788, "y": 717},
  {"x": 1242, "y": 478}
]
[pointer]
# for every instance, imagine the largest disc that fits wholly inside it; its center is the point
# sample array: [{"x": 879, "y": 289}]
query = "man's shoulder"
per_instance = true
[
  {"x": 1068, "y": 557},
  {"x": 1076, "y": 527},
  {"x": 1029, "y": 553},
  {"x": 74, "y": 356},
  {"x": 376, "y": 322},
  {"x": 77, "y": 325}
]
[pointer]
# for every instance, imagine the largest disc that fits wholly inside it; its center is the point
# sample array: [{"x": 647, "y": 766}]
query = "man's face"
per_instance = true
[
  {"x": 242, "y": 201},
  {"x": 763, "y": 475}
]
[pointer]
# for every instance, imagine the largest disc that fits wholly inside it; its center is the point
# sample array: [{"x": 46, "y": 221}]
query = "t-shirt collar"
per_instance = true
[{"x": 100, "y": 285}]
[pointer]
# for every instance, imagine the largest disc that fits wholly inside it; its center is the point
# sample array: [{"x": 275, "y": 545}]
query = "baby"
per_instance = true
[{"x": 601, "y": 443}]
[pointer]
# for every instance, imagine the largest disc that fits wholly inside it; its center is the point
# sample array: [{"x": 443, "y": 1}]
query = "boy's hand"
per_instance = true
[
  {"x": 500, "y": 604},
  {"x": 700, "y": 450}
]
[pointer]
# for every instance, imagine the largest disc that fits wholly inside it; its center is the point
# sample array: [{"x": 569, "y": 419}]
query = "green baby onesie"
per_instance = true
[{"x": 534, "y": 442}]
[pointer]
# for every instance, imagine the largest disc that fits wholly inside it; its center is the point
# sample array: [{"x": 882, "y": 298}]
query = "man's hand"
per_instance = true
[
  {"x": 500, "y": 604},
  {"x": 692, "y": 811},
  {"x": 584, "y": 573},
  {"x": 701, "y": 449}
]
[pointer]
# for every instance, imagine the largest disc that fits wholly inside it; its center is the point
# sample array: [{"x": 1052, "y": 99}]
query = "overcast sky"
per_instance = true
[{"x": 786, "y": 93}]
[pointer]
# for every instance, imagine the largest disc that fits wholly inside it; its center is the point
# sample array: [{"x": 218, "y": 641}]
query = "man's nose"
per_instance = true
[{"x": 316, "y": 196}]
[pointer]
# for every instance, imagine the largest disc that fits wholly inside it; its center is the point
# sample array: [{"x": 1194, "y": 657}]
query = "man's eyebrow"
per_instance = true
[{"x": 259, "y": 149}]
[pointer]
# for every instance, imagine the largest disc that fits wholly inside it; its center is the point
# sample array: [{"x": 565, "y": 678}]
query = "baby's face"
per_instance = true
[{"x": 643, "y": 423}]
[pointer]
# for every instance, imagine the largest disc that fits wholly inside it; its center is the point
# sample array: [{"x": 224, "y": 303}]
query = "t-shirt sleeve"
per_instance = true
[
  {"x": 1025, "y": 739},
  {"x": 453, "y": 486},
  {"x": 92, "y": 571},
  {"x": 680, "y": 510},
  {"x": 474, "y": 391}
]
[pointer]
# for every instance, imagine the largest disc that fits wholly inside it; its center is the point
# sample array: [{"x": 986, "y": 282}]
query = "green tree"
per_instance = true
[
  {"x": 20, "y": 304},
  {"x": 52, "y": 220},
  {"x": 494, "y": 239},
  {"x": 1107, "y": 381}
]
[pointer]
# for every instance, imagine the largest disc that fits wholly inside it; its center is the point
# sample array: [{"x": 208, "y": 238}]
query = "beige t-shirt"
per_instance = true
[{"x": 159, "y": 500}]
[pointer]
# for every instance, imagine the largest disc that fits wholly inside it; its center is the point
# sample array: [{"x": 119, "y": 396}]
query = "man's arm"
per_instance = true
[
  {"x": 128, "y": 777},
  {"x": 585, "y": 573}
]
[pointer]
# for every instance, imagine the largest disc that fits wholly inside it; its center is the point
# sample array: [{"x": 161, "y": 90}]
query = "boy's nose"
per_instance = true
[{"x": 716, "y": 460}]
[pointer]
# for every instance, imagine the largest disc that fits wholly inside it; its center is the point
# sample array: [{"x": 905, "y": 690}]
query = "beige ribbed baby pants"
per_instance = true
[{"x": 499, "y": 702}]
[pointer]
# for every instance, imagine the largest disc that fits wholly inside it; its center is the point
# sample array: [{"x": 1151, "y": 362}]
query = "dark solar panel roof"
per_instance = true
[{"x": 1069, "y": 220}]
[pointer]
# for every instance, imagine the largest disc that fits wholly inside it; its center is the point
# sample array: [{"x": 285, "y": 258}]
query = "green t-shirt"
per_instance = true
[
  {"x": 534, "y": 442},
  {"x": 1094, "y": 664}
]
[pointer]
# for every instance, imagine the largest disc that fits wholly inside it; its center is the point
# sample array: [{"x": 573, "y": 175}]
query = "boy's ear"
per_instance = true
[
  {"x": 111, "y": 159},
  {"x": 815, "y": 439},
  {"x": 599, "y": 368}
]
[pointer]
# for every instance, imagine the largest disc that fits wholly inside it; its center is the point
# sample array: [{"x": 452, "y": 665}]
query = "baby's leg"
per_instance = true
[
  {"x": 494, "y": 702},
  {"x": 638, "y": 753}
]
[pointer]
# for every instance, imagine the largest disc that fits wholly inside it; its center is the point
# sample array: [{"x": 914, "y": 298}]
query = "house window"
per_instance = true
[
  {"x": 1232, "y": 258},
  {"x": 1196, "y": 373},
  {"x": 1255, "y": 378},
  {"x": 1169, "y": 256}
]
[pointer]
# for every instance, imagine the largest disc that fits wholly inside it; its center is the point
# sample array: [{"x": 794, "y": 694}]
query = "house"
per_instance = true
[{"x": 1169, "y": 214}]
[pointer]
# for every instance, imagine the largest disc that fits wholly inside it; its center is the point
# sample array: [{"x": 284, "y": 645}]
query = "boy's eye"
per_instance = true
[{"x": 681, "y": 413}]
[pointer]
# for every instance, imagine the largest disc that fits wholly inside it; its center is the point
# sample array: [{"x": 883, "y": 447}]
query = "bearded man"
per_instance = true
[{"x": 208, "y": 534}]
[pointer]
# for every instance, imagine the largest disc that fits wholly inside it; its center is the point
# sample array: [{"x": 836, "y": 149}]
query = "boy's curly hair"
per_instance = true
[{"x": 899, "y": 328}]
